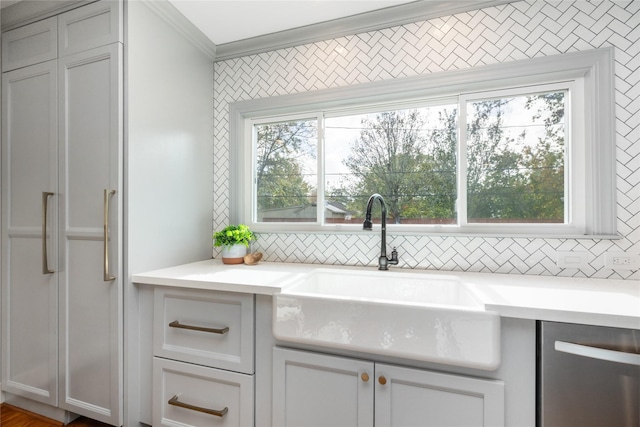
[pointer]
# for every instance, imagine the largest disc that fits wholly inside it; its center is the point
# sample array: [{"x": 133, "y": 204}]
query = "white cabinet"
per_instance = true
[
  {"x": 412, "y": 397},
  {"x": 314, "y": 389},
  {"x": 203, "y": 365},
  {"x": 31, "y": 44},
  {"x": 73, "y": 326},
  {"x": 98, "y": 24},
  {"x": 208, "y": 328},
  {"x": 317, "y": 390},
  {"x": 90, "y": 202},
  {"x": 193, "y": 395},
  {"x": 29, "y": 232},
  {"x": 62, "y": 144}
]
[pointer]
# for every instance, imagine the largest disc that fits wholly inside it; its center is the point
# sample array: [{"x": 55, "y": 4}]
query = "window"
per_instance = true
[
  {"x": 516, "y": 147},
  {"x": 504, "y": 154}
]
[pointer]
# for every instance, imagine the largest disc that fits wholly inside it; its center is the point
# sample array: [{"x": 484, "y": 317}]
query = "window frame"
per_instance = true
[
  {"x": 593, "y": 68},
  {"x": 250, "y": 190},
  {"x": 574, "y": 171}
]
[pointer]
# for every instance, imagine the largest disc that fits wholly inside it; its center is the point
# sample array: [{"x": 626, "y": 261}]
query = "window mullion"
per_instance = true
[
  {"x": 251, "y": 185},
  {"x": 461, "y": 205},
  {"x": 320, "y": 186}
]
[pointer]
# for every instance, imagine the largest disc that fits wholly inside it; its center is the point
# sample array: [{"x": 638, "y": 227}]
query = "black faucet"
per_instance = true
[{"x": 383, "y": 261}]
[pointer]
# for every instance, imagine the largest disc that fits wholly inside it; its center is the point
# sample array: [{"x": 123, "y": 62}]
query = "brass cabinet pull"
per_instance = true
[
  {"x": 174, "y": 401},
  {"x": 177, "y": 324},
  {"x": 364, "y": 377},
  {"x": 382, "y": 380},
  {"x": 106, "y": 275},
  {"x": 45, "y": 255}
]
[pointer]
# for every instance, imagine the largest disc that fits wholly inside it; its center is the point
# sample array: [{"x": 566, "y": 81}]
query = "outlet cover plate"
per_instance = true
[
  {"x": 573, "y": 259},
  {"x": 622, "y": 260}
]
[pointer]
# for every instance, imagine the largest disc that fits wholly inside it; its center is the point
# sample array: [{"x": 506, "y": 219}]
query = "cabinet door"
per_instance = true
[
  {"x": 29, "y": 290},
  {"x": 408, "y": 397},
  {"x": 317, "y": 390},
  {"x": 93, "y": 25},
  {"x": 31, "y": 44},
  {"x": 91, "y": 335}
]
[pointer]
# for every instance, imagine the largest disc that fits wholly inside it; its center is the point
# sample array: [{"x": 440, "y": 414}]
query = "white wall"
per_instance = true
[
  {"x": 170, "y": 123},
  {"x": 486, "y": 36}
]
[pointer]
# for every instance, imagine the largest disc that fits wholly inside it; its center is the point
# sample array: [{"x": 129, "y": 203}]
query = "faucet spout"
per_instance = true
[{"x": 383, "y": 260}]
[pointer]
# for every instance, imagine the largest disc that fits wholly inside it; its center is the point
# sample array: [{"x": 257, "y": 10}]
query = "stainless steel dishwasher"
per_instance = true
[{"x": 588, "y": 376}]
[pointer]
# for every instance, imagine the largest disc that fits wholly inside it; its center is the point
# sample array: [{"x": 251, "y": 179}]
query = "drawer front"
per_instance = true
[
  {"x": 94, "y": 25},
  {"x": 31, "y": 44},
  {"x": 190, "y": 395},
  {"x": 209, "y": 328}
]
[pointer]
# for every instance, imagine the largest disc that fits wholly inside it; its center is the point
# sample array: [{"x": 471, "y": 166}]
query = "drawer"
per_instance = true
[
  {"x": 31, "y": 44},
  {"x": 191, "y": 395},
  {"x": 94, "y": 25},
  {"x": 209, "y": 328}
]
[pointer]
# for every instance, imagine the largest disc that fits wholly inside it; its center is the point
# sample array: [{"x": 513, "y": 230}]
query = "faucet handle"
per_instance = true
[{"x": 394, "y": 255}]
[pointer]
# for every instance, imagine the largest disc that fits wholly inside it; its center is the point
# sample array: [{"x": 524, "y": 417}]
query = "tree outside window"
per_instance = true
[{"x": 515, "y": 161}]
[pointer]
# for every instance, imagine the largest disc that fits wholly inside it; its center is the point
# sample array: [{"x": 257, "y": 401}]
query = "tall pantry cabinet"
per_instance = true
[
  {"x": 62, "y": 143},
  {"x": 107, "y": 171}
]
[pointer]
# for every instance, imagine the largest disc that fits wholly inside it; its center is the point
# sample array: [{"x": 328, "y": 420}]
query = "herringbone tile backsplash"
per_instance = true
[{"x": 519, "y": 30}]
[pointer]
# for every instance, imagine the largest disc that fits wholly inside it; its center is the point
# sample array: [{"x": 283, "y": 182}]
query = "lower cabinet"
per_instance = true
[
  {"x": 318, "y": 390},
  {"x": 413, "y": 397},
  {"x": 203, "y": 364}
]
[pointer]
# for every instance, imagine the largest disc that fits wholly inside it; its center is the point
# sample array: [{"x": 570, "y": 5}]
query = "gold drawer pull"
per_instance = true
[
  {"x": 382, "y": 380},
  {"x": 174, "y": 401},
  {"x": 176, "y": 324}
]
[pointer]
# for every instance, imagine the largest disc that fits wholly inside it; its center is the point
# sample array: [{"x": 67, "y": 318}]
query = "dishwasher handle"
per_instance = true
[{"x": 598, "y": 353}]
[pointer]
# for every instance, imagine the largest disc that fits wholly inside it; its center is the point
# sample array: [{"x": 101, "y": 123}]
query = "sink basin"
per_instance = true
[
  {"x": 413, "y": 315},
  {"x": 398, "y": 288}
]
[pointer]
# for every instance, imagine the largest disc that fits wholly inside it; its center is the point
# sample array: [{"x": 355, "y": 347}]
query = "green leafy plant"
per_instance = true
[{"x": 233, "y": 235}]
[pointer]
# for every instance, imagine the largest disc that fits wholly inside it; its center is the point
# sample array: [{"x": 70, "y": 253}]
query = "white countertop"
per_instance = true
[{"x": 602, "y": 302}]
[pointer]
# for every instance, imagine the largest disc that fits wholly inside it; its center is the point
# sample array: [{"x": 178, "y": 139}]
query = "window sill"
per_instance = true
[{"x": 352, "y": 230}]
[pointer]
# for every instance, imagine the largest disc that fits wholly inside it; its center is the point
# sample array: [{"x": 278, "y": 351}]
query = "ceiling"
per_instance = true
[{"x": 225, "y": 21}]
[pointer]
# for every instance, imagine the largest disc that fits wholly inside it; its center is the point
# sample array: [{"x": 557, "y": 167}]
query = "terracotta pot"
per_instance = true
[{"x": 233, "y": 254}]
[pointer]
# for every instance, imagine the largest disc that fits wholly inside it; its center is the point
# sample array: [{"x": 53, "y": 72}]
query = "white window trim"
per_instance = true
[{"x": 595, "y": 67}]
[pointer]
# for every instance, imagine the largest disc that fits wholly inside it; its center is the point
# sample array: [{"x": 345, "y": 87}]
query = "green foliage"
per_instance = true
[
  {"x": 233, "y": 235},
  {"x": 283, "y": 185},
  {"x": 414, "y": 169},
  {"x": 505, "y": 184},
  {"x": 509, "y": 177},
  {"x": 279, "y": 174}
]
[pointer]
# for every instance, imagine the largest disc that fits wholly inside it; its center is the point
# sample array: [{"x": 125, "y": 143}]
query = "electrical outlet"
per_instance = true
[
  {"x": 622, "y": 260},
  {"x": 572, "y": 259}
]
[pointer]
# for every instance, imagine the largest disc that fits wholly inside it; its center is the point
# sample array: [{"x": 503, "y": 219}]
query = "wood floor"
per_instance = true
[{"x": 10, "y": 416}]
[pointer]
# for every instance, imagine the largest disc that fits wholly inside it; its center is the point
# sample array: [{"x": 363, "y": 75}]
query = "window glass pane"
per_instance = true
[
  {"x": 516, "y": 159},
  {"x": 286, "y": 171},
  {"x": 407, "y": 156}
]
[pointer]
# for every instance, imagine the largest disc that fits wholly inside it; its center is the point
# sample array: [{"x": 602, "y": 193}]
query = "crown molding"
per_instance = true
[
  {"x": 177, "y": 20},
  {"x": 420, "y": 10},
  {"x": 24, "y": 12}
]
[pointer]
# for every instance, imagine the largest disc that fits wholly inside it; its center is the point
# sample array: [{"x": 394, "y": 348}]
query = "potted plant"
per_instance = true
[{"x": 234, "y": 240}]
